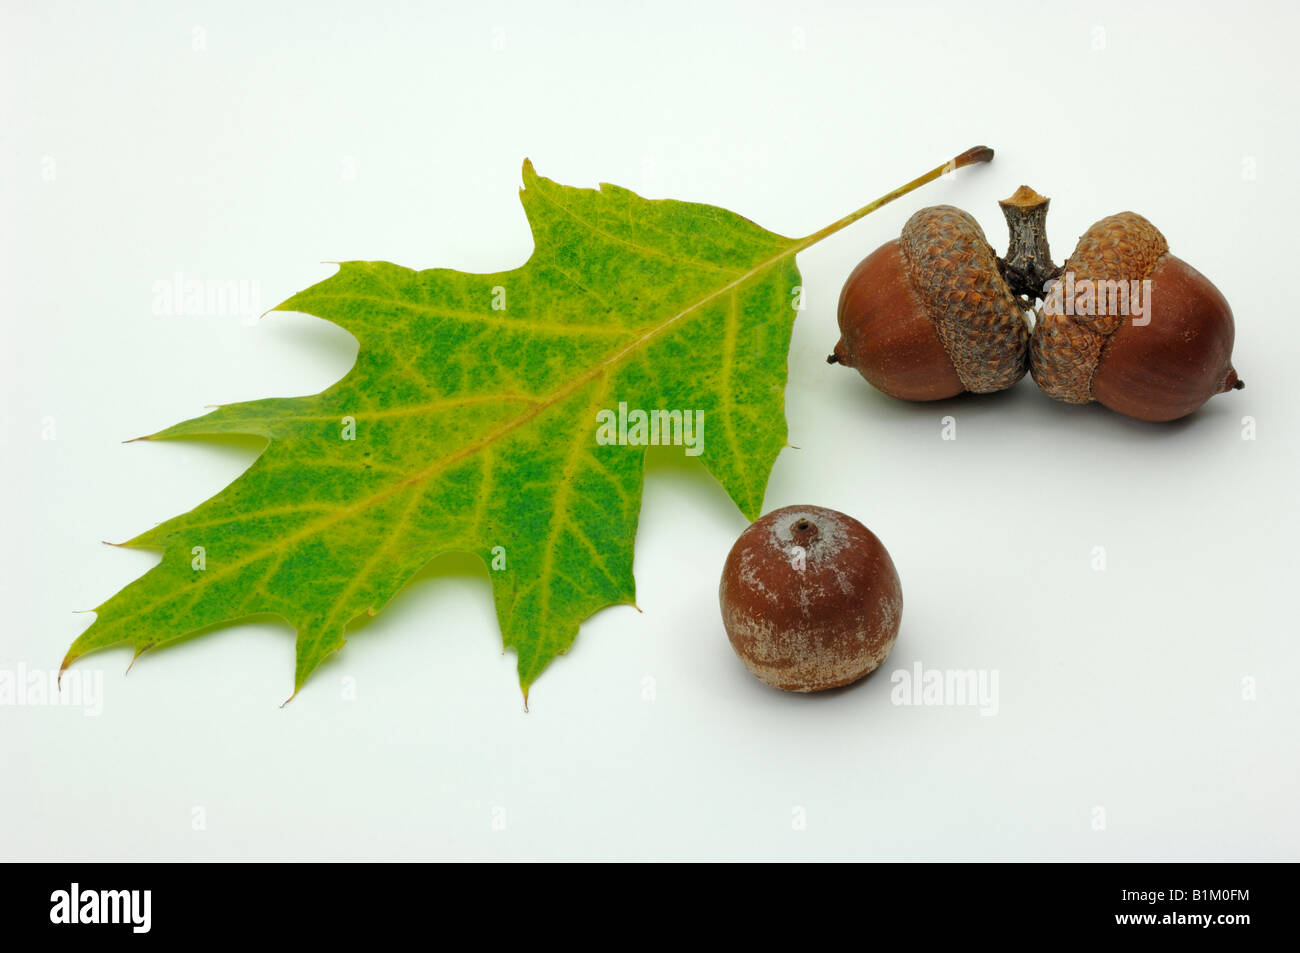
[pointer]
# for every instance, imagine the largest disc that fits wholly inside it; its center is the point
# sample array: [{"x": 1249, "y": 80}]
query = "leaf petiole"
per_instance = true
[{"x": 969, "y": 157}]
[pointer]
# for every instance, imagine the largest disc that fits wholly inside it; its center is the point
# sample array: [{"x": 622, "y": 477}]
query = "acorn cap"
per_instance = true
[{"x": 980, "y": 323}]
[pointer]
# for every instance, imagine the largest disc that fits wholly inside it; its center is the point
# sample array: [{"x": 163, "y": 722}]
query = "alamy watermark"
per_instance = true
[
  {"x": 182, "y": 296},
  {"x": 946, "y": 688},
  {"x": 75, "y": 905},
  {"x": 653, "y": 428},
  {"x": 23, "y": 687},
  {"x": 1086, "y": 297}
]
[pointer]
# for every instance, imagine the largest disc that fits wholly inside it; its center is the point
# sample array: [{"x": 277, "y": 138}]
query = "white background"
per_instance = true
[{"x": 363, "y": 130}]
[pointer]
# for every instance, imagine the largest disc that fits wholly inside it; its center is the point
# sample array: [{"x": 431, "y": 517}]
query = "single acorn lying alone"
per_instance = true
[{"x": 810, "y": 599}]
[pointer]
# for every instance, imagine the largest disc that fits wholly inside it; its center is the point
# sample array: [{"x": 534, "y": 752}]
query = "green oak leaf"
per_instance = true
[{"x": 469, "y": 423}]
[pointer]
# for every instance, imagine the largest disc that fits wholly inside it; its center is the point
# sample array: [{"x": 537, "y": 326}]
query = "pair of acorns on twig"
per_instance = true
[{"x": 935, "y": 312}]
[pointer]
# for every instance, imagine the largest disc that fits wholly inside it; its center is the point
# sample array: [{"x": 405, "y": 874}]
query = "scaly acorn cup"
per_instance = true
[
  {"x": 1159, "y": 358},
  {"x": 929, "y": 315}
]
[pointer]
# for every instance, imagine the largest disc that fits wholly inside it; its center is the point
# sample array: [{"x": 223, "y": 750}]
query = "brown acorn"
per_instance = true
[
  {"x": 810, "y": 599},
  {"x": 928, "y": 315},
  {"x": 1133, "y": 327}
]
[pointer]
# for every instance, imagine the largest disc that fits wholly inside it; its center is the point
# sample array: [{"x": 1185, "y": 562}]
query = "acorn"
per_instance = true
[
  {"x": 928, "y": 315},
  {"x": 1133, "y": 327},
  {"x": 810, "y": 599}
]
